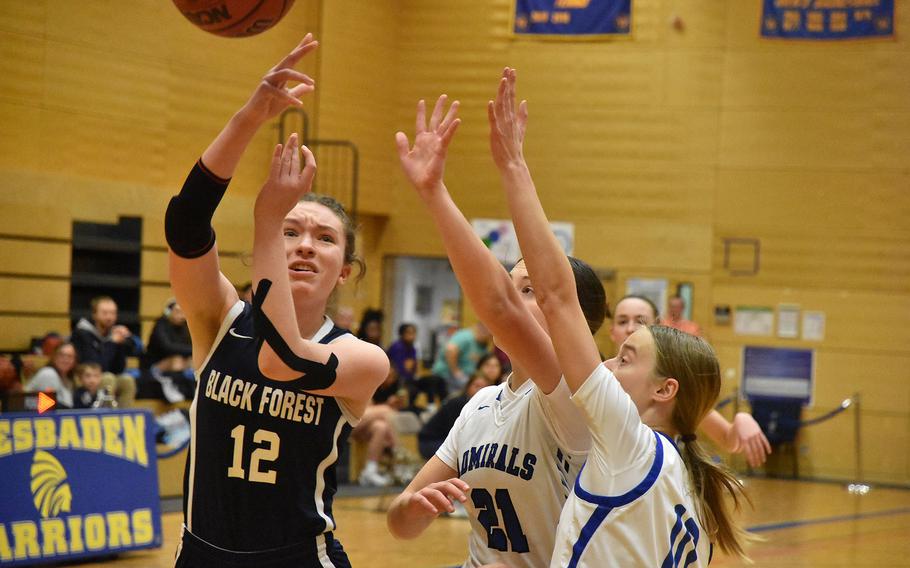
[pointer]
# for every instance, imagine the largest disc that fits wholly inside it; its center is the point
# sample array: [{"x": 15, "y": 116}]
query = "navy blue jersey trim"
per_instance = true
[
  {"x": 587, "y": 531},
  {"x": 634, "y": 493},
  {"x": 672, "y": 443}
]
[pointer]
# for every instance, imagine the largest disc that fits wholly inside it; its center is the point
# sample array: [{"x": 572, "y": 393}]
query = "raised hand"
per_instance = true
[
  {"x": 424, "y": 163},
  {"x": 287, "y": 183},
  {"x": 437, "y": 497},
  {"x": 272, "y": 95},
  {"x": 507, "y": 124}
]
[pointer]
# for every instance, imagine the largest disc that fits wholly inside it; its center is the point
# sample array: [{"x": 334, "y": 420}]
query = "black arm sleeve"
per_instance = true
[{"x": 188, "y": 220}]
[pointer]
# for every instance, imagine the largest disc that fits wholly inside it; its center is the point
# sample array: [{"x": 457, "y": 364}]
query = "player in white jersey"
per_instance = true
[
  {"x": 741, "y": 436},
  {"x": 640, "y": 500},
  {"x": 515, "y": 449}
]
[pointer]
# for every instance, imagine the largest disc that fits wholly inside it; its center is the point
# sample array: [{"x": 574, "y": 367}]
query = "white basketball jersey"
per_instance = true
[
  {"x": 519, "y": 452},
  {"x": 632, "y": 503}
]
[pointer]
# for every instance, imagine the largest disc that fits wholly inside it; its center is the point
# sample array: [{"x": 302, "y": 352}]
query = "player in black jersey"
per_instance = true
[{"x": 279, "y": 386}]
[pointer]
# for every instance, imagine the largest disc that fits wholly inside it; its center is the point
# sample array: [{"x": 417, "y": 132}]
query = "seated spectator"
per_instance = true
[
  {"x": 88, "y": 376},
  {"x": 457, "y": 360},
  {"x": 376, "y": 430},
  {"x": 490, "y": 367},
  {"x": 371, "y": 326},
  {"x": 434, "y": 432},
  {"x": 104, "y": 342},
  {"x": 57, "y": 376},
  {"x": 9, "y": 377},
  {"x": 169, "y": 347}
]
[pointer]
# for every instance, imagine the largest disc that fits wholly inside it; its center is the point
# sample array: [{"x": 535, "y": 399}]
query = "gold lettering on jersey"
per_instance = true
[{"x": 275, "y": 402}]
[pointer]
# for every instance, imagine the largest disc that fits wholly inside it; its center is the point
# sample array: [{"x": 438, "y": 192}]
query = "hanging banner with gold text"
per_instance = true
[
  {"x": 572, "y": 19},
  {"x": 827, "y": 19}
]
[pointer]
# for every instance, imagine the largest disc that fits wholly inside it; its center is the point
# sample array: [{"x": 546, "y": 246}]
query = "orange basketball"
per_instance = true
[{"x": 234, "y": 18}]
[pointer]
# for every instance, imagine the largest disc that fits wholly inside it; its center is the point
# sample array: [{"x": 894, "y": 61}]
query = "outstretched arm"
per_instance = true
[
  {"x": 483, "y": 279},
  {"x": 349, "y": 369},
  {"x": 204, "y": 292},
  {"x": 548, "y": 266},
  {"x": 743, "y": 435}
]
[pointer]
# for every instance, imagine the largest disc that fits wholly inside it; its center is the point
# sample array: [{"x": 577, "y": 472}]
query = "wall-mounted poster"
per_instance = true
[
  {"x": 753, "y": 320},
  {"x": 654, "y": 289}
]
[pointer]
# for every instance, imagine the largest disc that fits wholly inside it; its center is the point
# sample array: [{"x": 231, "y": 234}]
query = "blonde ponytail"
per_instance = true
[{"x": 692, "y": 362}]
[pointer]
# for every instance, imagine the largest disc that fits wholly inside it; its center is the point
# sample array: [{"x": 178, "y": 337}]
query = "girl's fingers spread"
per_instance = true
[
  {"x": 280, "y": 76},
  {"x": 309, "y": 160},
  {"x": 450, "y": 116},
  {"x": 450, "y": 131},
  {"x": 437, "y": 112},
  {"x": 301, "y": 90},
  {"x": 401, "y": 142},
  {"x": 275, "y": 169},
  {"x": 421, "y": 117}
]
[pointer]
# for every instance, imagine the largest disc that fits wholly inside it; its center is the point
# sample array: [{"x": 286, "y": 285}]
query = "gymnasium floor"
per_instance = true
[{"x": 803, "y": 523}]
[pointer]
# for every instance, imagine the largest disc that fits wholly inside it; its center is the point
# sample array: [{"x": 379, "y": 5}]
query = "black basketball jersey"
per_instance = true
[{"x": 260, "y": 471}]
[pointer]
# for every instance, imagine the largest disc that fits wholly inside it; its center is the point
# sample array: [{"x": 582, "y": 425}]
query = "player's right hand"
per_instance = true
[
  {"x": 272, "y": 95},
  {"x": 437, "y": 497}
]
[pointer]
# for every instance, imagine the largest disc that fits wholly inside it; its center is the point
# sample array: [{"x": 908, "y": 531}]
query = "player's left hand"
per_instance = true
[
  {"x": 507, "y": 123},
  {"x": 287, "y": 182},
  {"x": 749, "y": 439}
]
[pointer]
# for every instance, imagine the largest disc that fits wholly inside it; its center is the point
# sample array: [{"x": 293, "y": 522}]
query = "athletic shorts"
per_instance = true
[{"x": 322, "y": 552}]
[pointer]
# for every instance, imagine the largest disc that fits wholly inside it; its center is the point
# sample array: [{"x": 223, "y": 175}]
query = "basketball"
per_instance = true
[{"x": 234, "y": 18}]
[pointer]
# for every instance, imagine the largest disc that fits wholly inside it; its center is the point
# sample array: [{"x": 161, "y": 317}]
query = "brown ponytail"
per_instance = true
[{"x": 692, "y": 362}]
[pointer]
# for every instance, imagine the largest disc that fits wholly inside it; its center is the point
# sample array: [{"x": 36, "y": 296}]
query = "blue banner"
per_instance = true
[
  {"x": 827, "y": 19},
  {"x": 77, "y": 484},
  {"x": 773, "y": 372},
  {"x": 573, "y": 19}
]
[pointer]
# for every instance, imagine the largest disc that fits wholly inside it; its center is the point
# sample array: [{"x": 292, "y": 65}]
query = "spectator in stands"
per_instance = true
[
  {"x": 677, "y": 307},
  {"x": 377, "y": 431},
  {"x": 371, "y": 326},
  {"x": 403, "y": 357},
  {"x": 9, "y": 377},
  {"x": 169, "y": 347},
  {"x": 57, "y": 376},
  {"x": 457, "y": 360},
  {"x": 434, "y": 432},
  {"x": 88, "y": 376},
  {"x": 104, "y": 342},
  {"x": 490, "y": 368}
]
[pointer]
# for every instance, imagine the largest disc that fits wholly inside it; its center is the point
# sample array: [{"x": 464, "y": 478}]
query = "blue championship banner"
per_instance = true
[
  {"x": 572, "y": 19},
  {"x": 827, "y": 19},
  {"x": 77, "y": 484}
]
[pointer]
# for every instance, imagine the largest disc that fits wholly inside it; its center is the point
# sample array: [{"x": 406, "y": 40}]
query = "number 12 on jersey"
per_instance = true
[
  {"x": 266, "y": 451},
  {"x": 488, "y": 517}
]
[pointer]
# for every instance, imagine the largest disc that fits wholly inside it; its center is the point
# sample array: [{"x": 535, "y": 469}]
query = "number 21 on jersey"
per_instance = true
[{"x": 267, "y": 444}]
